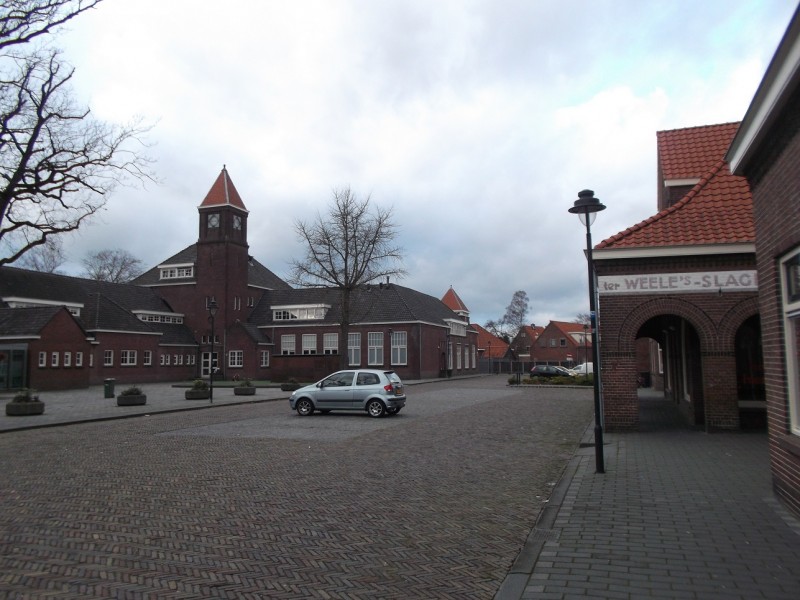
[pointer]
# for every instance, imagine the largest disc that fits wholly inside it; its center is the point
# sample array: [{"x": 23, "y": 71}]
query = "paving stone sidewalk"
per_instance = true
[{"x": 678, "y": 514}]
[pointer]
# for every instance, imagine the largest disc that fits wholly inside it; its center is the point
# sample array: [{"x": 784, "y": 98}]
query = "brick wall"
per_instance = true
[
  {"x": 711, "y": 397},
  {"x": 774, "y": 178}
]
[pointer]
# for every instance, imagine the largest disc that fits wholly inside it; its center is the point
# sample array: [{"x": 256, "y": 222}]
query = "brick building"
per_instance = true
[
  {"x": 686, "y": 279},
  {"x": 766, "y": 150},
  {"x": 62, "y": 332}
]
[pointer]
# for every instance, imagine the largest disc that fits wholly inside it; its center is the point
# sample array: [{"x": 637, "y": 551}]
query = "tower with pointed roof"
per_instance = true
[{"x": 222, "y": 250}]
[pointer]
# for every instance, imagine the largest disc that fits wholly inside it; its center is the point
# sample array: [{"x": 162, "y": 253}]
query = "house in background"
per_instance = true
[
  {"x": 766, "y": 150},
  {"x": 562, "y": 343},
  {"x": 159, "y": 327},
  {"x": 521, "y": 346}
]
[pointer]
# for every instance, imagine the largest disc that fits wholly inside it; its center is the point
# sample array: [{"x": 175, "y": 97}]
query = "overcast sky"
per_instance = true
[{"x": 477, "y": 121}]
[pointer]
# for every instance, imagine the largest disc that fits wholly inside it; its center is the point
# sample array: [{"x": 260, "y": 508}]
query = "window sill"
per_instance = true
[{"x": 790, "y": 443}]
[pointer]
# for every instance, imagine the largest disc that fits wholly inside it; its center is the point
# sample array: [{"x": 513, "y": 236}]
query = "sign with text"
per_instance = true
[{"x": 679, "y": 283}]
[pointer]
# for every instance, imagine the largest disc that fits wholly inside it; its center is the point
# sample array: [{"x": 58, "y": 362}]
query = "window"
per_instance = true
[
  {"x": 54, "y": 359},
  {"x": 375, "y": 348},
  {"x": 354, "y": 349},
  {"x": 466, "y": 356},
  {"x": 288, "y": 344},
  {"x": 79, "y": 359},
  {"x": 213, "y": 220},
  {"x": 236, "y": 358},
  {"x": 176, "y": 272},
  {"x": 303, "y": 313},
  {"x": 237, "y": 303},
  {"x": 67, "y": 359},
  {"x": 147, "y": 358},
  {"x": 163, "y": 360},
  {"x": 562, "y": 342},
  {"x": 553, "y": 343},
  {"x": 42, "y": 359},
  {"x": 108, "y": 358},
  {"x": 790, "y": 286},
  {"x": 330, "y": 343},
  {"x": 399, "y": 348},
  {"x": 458, "y": 356},
  {"x": 127, "y": 358},
  {"x": 237, "y": 222},
  {"x": 179, "y": 359},
  {"x": 309, "y": 343},
  {"x": 265, "y": 358}
]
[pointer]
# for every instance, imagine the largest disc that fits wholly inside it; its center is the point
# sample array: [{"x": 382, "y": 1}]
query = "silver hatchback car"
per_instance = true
[{"x": 374, "y": 391}]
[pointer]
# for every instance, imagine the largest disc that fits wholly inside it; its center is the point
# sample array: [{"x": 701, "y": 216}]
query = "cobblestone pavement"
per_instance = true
[{"x": 253, "y": 501}]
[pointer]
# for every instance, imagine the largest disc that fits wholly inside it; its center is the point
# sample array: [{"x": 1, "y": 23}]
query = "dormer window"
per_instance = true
[
  {"x": 176, "y": 272},
  {"x": 301, "y": 313},
  {"x": 213, "y": 220}
]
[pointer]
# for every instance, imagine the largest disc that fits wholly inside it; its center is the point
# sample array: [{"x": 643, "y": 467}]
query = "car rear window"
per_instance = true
[
  {"x": 367, "y": 379},
  {"x": 392, "y": 376}
]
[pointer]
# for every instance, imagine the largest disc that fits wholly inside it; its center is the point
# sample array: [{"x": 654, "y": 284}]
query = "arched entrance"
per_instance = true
[{"x": 676, "y": 372}]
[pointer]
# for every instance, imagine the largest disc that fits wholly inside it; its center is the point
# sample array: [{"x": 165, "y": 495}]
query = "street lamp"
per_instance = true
[
  {"x": 212, "y": 310},
  {"x": 585, "y": 342},
  {"x": 587, "y": 207}
]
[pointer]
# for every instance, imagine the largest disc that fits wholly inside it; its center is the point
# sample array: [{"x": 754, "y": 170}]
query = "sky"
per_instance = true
[{"x": 476, "y": 121}]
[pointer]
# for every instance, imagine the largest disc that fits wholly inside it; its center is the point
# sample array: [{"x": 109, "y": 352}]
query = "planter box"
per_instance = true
[
  {"x": 132, "y": 400},
  {"x": 24, "y": 409},
  {"x": 244, "y": 391},
  {"x": 197, "y": 394}
]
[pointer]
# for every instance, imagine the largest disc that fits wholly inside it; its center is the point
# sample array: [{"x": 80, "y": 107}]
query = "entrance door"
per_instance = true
[{"x": 205, "y": 364}]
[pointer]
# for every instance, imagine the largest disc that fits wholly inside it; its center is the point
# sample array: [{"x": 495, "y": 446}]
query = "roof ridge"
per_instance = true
[{"x": 667, "y": 211}]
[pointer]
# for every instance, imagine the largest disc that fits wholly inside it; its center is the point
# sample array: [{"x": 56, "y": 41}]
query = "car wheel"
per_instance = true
[
  {"x": 375, "y": 408},
  {"x": 304, "y": 407}
]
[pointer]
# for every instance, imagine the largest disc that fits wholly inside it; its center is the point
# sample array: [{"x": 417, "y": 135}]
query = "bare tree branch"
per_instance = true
[
  {"x": 23, "y": 20},
  {"x": 57, "y": 163},
  {"x": 116, "y": 266},
  {"x": 348, "y": 248}
]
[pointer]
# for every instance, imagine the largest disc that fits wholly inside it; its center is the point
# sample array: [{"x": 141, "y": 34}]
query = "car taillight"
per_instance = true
[{"x": 388, "y": 387}]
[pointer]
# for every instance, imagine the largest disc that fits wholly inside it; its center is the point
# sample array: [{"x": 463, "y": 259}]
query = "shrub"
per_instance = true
[
  {"x": 290, "y": 385},
  {"x": 131, "y": 391},
  {"x": 245, "y": 383},
  {"x": 25, "y": 395},
  {"x": 200, "y": 385}
]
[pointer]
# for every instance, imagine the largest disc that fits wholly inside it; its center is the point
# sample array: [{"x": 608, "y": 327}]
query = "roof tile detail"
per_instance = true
[
  {"x": 718, "y": 210},
  {"x": 691, "y": 152},
  {"x": 223, "y": 193}
]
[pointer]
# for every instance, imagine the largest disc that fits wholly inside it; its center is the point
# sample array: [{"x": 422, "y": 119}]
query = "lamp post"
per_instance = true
[
  {"x": 212, "y": 311},
  {"x": 587, "y": 207},
  {"x": 585, "y": 342}
]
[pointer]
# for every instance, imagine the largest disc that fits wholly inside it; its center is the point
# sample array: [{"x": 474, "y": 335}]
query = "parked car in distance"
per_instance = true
[
  {"x": 374, "y": 391},
  {"x": 549, "y": 371},
  {"x": 567, "y": 372},
  {"x": 584, "y": 369}
]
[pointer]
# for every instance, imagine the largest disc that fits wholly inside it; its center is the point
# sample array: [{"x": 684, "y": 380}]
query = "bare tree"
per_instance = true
[
  {"x": 46, "y": 258},
  {"x": 57, "y": 163},
  {"x": 346, "y": 249},
  {"x": 116, "y": 266},
  {"x": 508, "y": 326},
  {"x": 583, "y": 319}
]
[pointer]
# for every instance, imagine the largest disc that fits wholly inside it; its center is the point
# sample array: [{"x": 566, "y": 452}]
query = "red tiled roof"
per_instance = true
[
  {"x": 718, "y": 210},
  {"x": 453, "y": 302},
  {"x": 492, "y": 346},
  {"x": 223, "y": 193},
  {"x": 691, "y": 152}
]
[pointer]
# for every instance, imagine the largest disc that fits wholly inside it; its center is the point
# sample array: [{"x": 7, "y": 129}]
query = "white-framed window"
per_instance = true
[
  {"x": 474, "y": 356},
  {"x": 399, "y": 348},
  {"x": 265, "y": 358},
  {"x": 236, "y": 358},
  {"x": 193, "y": 359},
  {"x": 42, "y": 359},
  {"x": 54, "y": 359},
  {"x": 553, "y": 343},
  {"x": 330, "y": 343},
  {"x": 288, "y": 344},
  {"x": 450, "y": 355},
  {"x": 179, "y": 359},
  {"x": 176, "y": 272},
  {"x": 147, "y": 358},
  {"x": 237, "y": 303},
  {"x": 458, "y": 356},
  {"x": 354, "y": 349},
  {"x": 127, "y": 358},
  {"x": 79, "y": 359},
  {"x": 67, "y": 359},
  {"x": 163, "y": 359},
  {"x": 300, "y": 313},
  {"x": 108, "y": 358},
  {"x": 309, "y": 343},
  {"x": 466, "y": 356},
  {"x": 91, "y": 359},
  {"x": 167, "y": 358},
  {"x": 375, "y": 348},
  {"x": 789, "y": 275}
]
